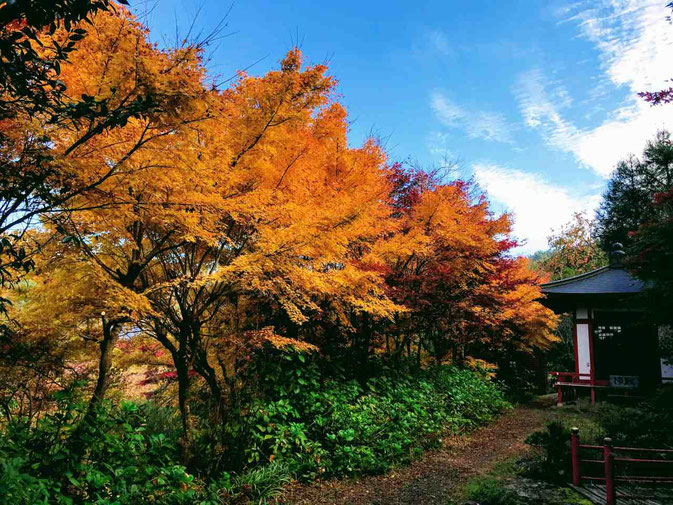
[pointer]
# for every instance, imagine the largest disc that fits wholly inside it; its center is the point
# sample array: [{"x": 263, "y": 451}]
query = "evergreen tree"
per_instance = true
[{"x": 627, "y": 202}]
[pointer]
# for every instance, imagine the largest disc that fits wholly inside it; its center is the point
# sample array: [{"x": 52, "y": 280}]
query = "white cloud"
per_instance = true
[
  {"x": 541, "y": 104},
  {"x": 537, "y": 205},
  {"x": 436, "y": 143},
  {"x": 635, "y": 44},
  {"x": 477, "y": 124},
  {"x": 634, "y": 37},
  {"x": 439, "y": 42},
  {"x": 447, "y": 112},
  {"x": 602, "y": 147}
]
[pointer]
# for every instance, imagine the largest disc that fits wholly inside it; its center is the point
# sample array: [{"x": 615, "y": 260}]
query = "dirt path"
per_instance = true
[{"x": 434, "y": 478}]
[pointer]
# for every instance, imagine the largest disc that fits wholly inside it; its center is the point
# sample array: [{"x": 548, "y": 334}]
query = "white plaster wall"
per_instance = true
[{"x": 583, "y": 349}]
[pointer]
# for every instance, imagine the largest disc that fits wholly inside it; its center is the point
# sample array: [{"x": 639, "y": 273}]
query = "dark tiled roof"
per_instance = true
[{"x": 600, "y": 281}]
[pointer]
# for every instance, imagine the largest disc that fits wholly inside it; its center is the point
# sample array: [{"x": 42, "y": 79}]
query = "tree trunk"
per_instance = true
[
  {"x": 541, "y": 371},
  {"x": 205, "y": 370},
  {"x": 107, "y": 346},
  {"x": 186, "y": 440},
  {"x": 111, "y": 331}
]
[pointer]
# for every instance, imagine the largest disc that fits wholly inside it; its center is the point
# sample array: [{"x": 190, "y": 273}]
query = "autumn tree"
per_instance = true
[
  {"x": 460, "y": 288},
  {"x": 573, "y": 250},
  {"x": 124, "y": 96},
  {"x": 250, "y": 192},
  {"x": 59, "y": 313},
  {"x": 289, "y": 214},
  {"x": 36, "y": 40}
]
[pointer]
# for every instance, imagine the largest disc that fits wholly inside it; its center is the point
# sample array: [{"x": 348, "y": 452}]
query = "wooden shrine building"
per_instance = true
[{"x": 615, "y": 346}]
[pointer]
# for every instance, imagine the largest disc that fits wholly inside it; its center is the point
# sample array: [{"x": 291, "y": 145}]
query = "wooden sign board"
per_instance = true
[{"x": 625, "y": 381}]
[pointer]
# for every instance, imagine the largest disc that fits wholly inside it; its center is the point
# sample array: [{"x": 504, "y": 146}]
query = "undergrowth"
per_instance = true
[{"x": 304, "y": 419}]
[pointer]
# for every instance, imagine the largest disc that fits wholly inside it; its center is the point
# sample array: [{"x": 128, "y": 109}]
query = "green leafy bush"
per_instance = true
[
  {"x": 490, "y": 491},
  {"x": 110, "y": 460},
  {"x": 553, "y": 459},
  {"x": 320, "y": 423},
  {"x": 304, "y": 418},
  {"x": 650, "y": 424},
  {"x": 261, "y": 484}
]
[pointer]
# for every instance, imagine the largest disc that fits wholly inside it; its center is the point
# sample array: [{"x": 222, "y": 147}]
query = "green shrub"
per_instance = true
[
  {"x": 650, "y": 424},
  {"x": 19, "y": 487},
  {"x": 261, "y": 484},
  {"x": 490, "y": 491},
  {"x": 552, "y": 463},
  {"x": 318, "y": 422},
  {"x": 107, "y": 461},
  {"x": 304, "y": 418}
]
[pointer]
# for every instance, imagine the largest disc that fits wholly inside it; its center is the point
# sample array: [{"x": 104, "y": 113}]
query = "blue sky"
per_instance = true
[{"x": 536, "y": 99}]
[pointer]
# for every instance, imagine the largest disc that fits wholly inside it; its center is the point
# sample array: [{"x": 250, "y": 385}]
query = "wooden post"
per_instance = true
[
  {"x": 609, "y": 482},
  {"x": 593, "y": 393},
  {"x": 575, "y": 454},
  {"x": 559, "y": 396}
]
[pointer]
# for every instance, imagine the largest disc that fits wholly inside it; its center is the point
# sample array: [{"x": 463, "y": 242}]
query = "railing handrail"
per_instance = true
[
  {"x": 642, "y": 449},
  {"x": 608, "y": 462},
  {"x": 638, "y": 460}
]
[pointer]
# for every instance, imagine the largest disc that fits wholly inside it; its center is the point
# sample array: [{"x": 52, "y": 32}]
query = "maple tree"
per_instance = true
[
  {"x": 214, "y": 222},
  {"x": 286, "y": 214},
  {"x": 36, "y": 39},
  {"x": 455, "y": 278},
  {"x": 573, "y": 250},
  {"x": 215, "y": 201}
]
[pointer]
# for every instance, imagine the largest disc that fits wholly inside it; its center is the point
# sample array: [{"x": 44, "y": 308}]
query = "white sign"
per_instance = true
[{"x": 624, "y": 381}]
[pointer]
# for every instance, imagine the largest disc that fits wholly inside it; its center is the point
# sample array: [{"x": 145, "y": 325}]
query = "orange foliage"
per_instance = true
[{"x": 217, "y": 213}]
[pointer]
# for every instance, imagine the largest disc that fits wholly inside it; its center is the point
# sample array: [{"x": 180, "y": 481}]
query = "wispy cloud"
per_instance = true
[
  {"x": 437, "y": 144},
  {"x": 478, "y": 124},
  {"x": 541, "y": 104},
  {"x": 635, "y": 44},
  {"x": 449, "y": 113},
  {"x": 538, "y": 207},
  {"x": 634, "y": 38},
  {"x": 439, "y": 42}
]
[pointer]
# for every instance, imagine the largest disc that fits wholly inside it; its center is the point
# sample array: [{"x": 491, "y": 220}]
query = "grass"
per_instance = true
[{"x": 496, "y": 487}]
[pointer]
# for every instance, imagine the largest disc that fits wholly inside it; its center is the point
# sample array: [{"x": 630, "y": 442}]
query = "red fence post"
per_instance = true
[
  {"x": 559, "y": 396},
  {"x": 609, "y": 482},
  {"x": 575, "y": 454}
]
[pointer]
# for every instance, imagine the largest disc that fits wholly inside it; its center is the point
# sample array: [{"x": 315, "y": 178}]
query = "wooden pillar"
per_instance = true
[
  {"x": 575, "y": 454},
  {"x": 610, "y": 498},
  {"x": 584, "y": 349},
  {"x": 559, "y": 396}
]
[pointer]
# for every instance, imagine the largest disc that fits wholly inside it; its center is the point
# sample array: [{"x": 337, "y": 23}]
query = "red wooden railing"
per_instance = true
[
  {"x": 577, "y": 380},
  {"x": 609, "y": 462}
]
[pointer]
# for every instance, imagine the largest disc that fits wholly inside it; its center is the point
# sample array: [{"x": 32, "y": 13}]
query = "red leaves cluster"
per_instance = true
[{"x": 460, "y": 283}]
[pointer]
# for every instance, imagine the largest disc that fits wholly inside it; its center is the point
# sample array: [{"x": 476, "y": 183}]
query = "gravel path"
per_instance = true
[{"x": 434, "y": 478}]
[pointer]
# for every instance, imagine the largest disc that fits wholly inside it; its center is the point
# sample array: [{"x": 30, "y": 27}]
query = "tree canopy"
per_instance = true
[
  {"x": 573, "y": 250},
  {"x": 631, "y": 189},
  {"x": 193, "y": 225}
]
